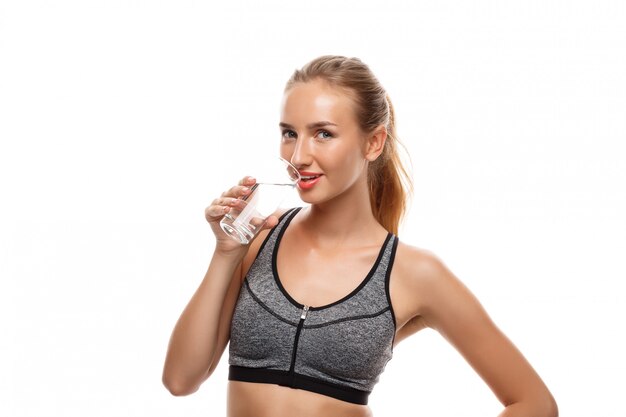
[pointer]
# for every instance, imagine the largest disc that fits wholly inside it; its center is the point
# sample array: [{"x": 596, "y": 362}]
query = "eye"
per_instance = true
[
  {"x": 324, "y": 134},
  {"x": 289, "y": 134}
]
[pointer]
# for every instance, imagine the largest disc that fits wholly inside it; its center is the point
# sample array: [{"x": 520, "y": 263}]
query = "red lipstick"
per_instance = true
[
  {"x": 308, "y": 179},
  {"x": 307, "y": 185}
]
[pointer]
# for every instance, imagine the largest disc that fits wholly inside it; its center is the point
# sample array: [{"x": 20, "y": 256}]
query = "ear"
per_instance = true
[{"x": 375, "y": 143}]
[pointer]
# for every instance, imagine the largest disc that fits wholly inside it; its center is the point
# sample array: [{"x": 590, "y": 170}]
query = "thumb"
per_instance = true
[{"x": 270, "y": 222}]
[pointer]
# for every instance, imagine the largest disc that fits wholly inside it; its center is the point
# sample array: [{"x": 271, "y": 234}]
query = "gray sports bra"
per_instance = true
[{"x": 338, "y": 350}]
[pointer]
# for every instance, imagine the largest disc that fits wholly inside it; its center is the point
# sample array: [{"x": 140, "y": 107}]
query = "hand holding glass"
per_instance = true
[{"x": 245, "y": 220}]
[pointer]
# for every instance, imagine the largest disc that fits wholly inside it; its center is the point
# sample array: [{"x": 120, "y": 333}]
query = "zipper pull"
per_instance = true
[{"x": 304, "y": 311}]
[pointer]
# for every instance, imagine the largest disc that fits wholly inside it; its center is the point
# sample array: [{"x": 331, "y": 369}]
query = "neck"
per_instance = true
[{"x": 346, "y": 220}]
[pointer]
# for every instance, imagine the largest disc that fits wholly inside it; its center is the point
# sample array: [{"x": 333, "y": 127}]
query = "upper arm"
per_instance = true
[{"x": 452, "y": 310}]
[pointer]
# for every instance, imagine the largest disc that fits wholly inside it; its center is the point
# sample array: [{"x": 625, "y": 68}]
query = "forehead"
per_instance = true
[{"x": 317, "y": 100}]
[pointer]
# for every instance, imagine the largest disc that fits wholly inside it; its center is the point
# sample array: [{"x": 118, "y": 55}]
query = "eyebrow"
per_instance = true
[{"x": 310, "y": 126}]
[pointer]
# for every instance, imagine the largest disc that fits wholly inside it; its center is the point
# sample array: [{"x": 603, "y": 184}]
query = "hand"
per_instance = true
[{"x": 222, "y": 205}]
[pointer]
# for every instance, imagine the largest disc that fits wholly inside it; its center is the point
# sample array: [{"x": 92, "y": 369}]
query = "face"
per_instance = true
[{"x": 321, "y": 137}]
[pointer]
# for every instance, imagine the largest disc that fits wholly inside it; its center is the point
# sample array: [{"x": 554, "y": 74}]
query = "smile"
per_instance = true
[{"x": 307, "y": 182}]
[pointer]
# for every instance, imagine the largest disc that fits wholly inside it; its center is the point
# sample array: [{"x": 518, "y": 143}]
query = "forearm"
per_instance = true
[{"x": 193, "y": 343}]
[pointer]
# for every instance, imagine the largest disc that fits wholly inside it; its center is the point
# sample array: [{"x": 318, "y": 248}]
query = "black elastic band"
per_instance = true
[{"x": 284, "y": 378}]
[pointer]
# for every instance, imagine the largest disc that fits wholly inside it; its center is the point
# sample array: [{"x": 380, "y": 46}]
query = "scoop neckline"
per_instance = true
[{"x": 342, "y": 299}]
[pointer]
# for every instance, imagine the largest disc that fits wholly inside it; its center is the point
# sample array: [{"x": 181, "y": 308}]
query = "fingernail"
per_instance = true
[{"x": 251, "y": 179}]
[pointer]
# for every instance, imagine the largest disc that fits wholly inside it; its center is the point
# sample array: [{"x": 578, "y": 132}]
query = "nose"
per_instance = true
[{"x": 302, "y": 153}]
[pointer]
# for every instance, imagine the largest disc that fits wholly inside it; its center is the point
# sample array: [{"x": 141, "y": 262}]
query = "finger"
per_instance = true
[
  {"x": 266, "y": 223},
  {"x": 270, "y": 222},
  {"x": 215, "y": 212},
  {"x": 256, "y": 222},
  {"x": 247, "y": 180},
  {"x": 237, "y": 191},
  {"x": 225, "y": 201}
]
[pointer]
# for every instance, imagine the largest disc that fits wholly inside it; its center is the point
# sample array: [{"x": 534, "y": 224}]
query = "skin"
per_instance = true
[{"x": 338, "y": 225}]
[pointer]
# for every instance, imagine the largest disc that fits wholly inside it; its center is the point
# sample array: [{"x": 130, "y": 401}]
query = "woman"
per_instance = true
[{"x": 314, "y": 305}]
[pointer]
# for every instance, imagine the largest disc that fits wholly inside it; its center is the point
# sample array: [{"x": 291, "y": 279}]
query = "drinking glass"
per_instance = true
[{"x": 244, "y": 222}]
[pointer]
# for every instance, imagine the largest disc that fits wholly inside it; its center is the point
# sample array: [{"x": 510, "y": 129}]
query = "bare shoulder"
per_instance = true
[
  {"x": 418, "y": 268},
  {"x": 419, "y": 280},
  {"x": 416, "y": 263}
]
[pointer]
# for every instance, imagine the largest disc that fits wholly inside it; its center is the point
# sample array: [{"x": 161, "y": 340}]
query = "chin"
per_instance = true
[
  {"x": 309, "y": 198},
  {"x": 316, "y": 198}
]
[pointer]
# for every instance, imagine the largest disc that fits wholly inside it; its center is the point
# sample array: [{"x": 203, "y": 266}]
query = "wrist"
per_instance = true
[{"x": 230, "y": 255}]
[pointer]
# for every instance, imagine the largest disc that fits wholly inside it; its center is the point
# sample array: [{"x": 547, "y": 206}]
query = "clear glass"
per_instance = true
[{"x": 243, "y": 223}]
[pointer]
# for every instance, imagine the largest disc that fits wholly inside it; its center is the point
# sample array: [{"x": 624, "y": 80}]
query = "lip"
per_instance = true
[
  {"x": 309, "y": 173},
  {"x": 307, "y": 185}
]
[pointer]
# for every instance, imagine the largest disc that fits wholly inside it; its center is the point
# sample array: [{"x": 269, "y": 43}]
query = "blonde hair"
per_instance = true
[{"x": 389, "y": 183}]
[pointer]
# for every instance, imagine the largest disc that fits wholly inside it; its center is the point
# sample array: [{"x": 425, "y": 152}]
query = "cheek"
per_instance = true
[
  {"x": 347, "y": 162},
  {"x": 286, "y": 151}
]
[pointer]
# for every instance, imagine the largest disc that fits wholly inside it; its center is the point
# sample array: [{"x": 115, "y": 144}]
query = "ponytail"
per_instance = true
[{"x": 389, "y": 182}]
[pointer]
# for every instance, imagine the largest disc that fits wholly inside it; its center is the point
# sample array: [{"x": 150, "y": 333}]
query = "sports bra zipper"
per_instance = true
[{"x": 305, "y": 310}]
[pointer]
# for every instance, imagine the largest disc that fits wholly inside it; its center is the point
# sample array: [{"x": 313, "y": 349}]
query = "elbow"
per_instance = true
[
  {"x": 181, "y": 385},
  {"x": 538, "y": 406},
  {"x": 177, "y": 388},
  {"x": 547, "y": 405}
]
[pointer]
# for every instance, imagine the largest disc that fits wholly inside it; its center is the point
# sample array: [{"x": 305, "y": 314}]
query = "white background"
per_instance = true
[{"x": 121, "y": 120}]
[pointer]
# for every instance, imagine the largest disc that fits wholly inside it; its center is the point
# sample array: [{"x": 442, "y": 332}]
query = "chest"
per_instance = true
[{"x": 320, "y": 277}]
